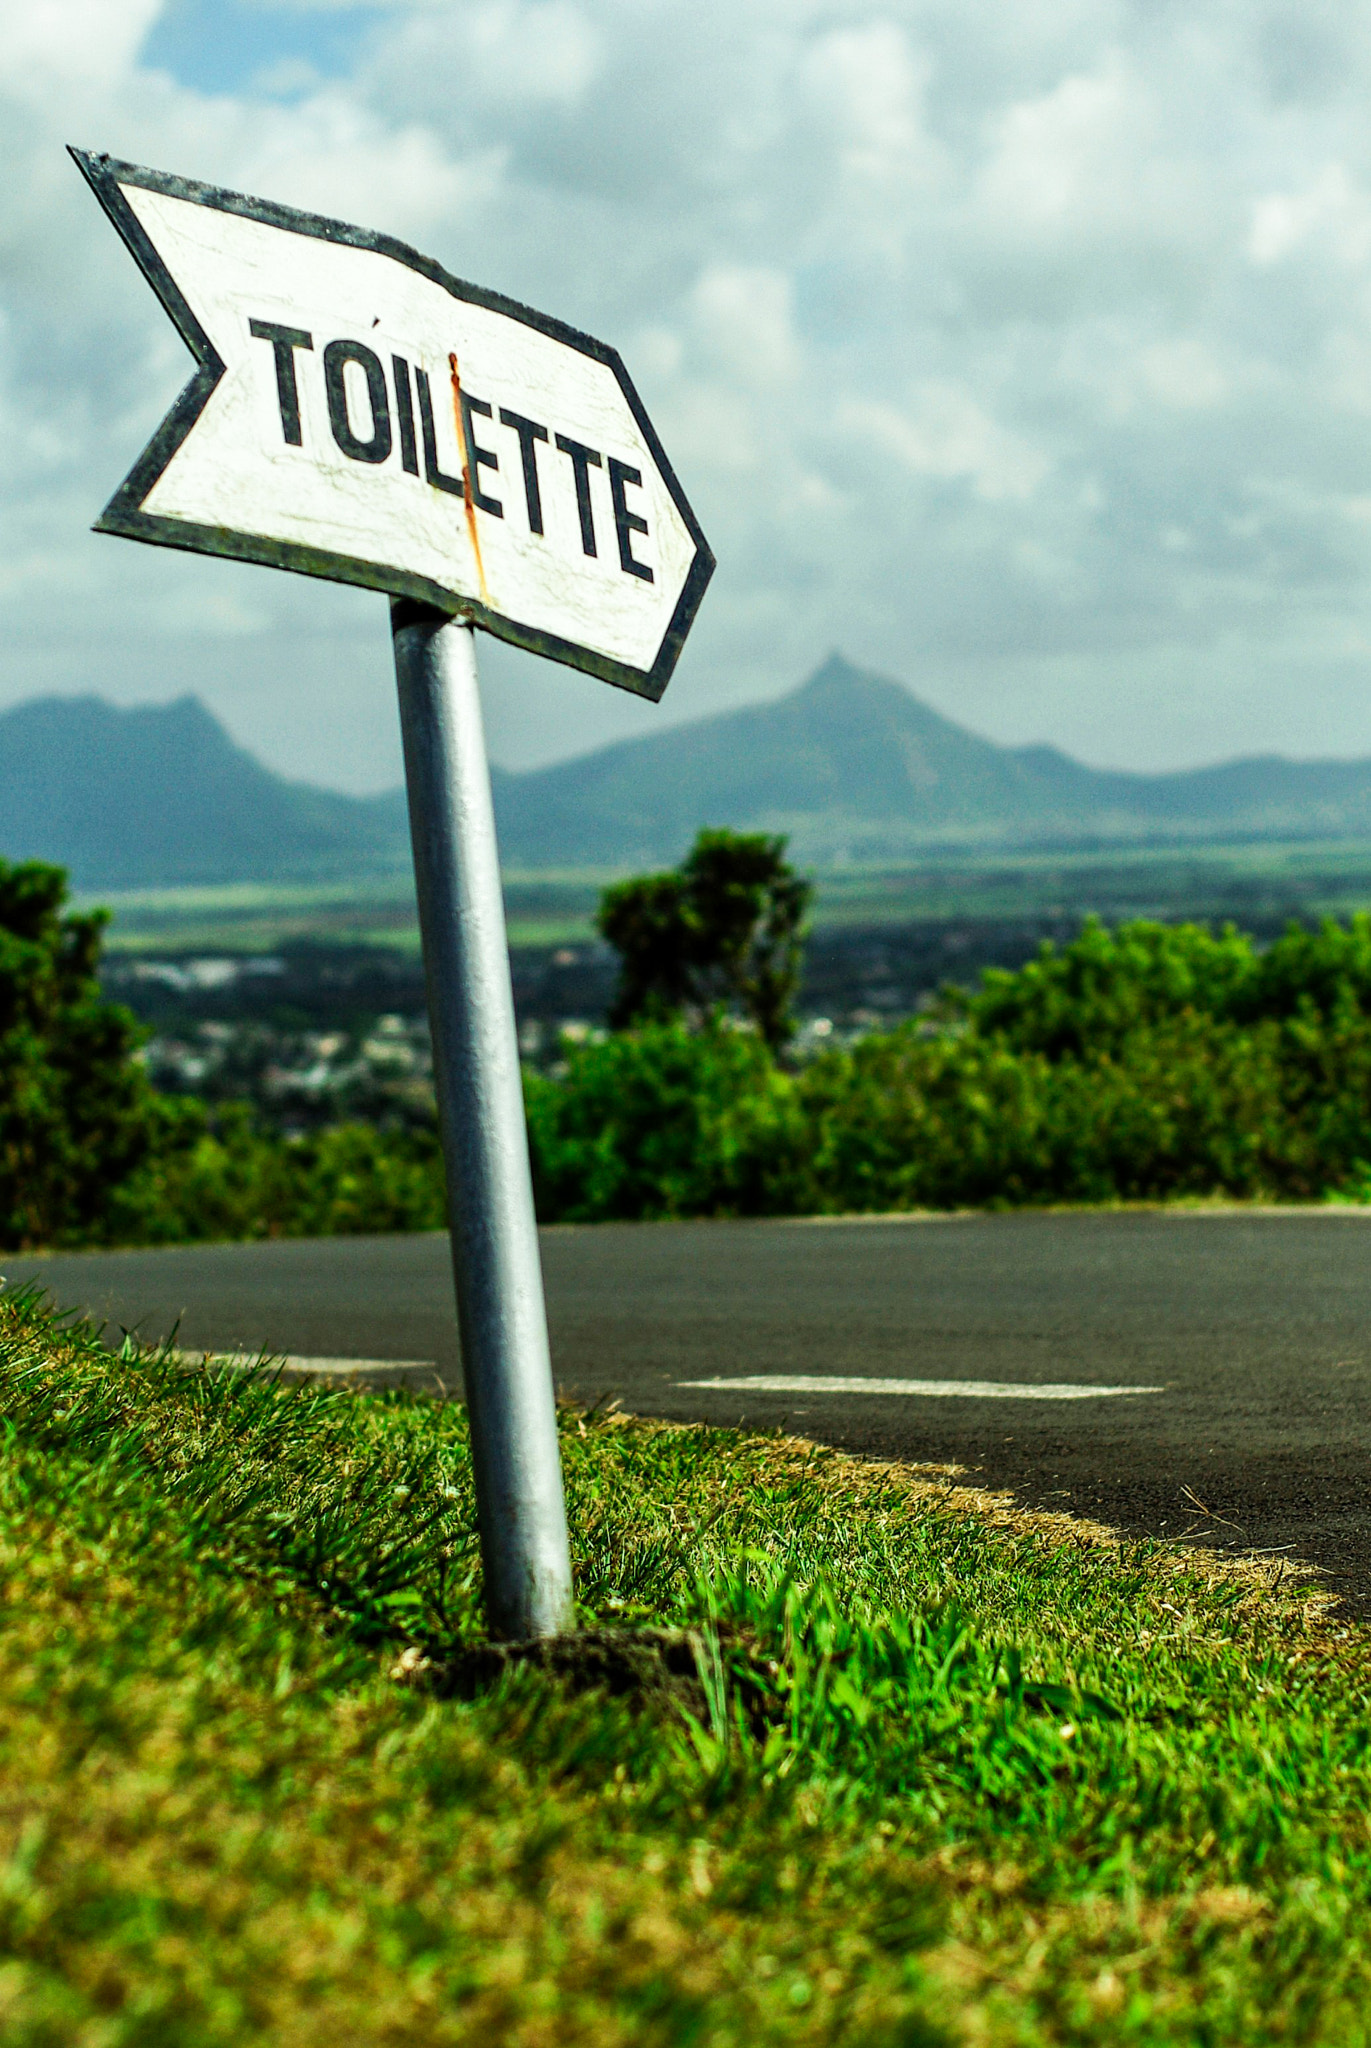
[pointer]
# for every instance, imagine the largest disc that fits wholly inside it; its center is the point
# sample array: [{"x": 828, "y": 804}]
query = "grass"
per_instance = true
[{"x": 944, "y": 1772}]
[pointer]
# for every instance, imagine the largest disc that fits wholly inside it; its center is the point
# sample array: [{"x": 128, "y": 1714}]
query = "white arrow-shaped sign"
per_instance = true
[
  {"x": 360, "y": 414},
  {"x": 357, "y": 413}
]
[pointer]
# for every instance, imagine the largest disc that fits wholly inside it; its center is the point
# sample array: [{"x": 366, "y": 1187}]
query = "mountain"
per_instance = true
[
  {"x": 850, "y": 764},
  {"x": 847, "y": 755},
  {"x": 853, "y": 766},
  {"x": 160, "y": 795}
]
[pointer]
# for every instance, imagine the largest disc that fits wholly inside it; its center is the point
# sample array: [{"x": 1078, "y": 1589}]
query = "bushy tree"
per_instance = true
[
  {"x": 221, "y": 1176},
  {"x": 77, "y": 1116},
  {"x": 665, "y": 1121},
  {"x": 1086, "y": 999},
  {"x": 1314, "y": 974},
  {"x": 1142, "y": 1063},
  {"x": 726, "y": 928}
]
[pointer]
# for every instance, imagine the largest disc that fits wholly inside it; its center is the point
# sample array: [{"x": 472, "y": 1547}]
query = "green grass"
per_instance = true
[{"x": 953, "y": 1774}]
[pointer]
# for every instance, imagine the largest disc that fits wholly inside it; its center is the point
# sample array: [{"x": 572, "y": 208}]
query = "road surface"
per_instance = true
[{"x": 1253, "y": 1329}]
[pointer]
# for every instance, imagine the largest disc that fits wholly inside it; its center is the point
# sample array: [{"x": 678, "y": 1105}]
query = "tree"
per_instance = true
[
  {"x": 725, "y": 928},
  {"x": 77, "y": 1115}
]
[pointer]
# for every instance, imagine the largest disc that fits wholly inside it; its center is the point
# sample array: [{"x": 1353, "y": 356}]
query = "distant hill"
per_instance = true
[
  {"x": 854, "y": 767},
  {"x": 160, "y": 795},
  {"x": 850, "y": 764},
  {"x": 847, "y": 760}
]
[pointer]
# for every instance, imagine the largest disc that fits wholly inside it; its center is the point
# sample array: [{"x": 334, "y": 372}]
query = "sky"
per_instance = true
[{"x": 1021, "y": 351}]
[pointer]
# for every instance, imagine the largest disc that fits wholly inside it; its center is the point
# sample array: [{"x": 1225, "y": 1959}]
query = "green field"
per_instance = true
[
  {"x": 1254, "y": 883},
  {"x": 848, "y": 1755},
  {"x": 1259, "y": 884},
  {"x": 249, "y": 917}
]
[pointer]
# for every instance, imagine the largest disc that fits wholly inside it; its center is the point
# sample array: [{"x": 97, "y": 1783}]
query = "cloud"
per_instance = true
[
  {"x": 1330, "y": 209},
  {"x": 743, "y": 321},
  {"x": 945, "y": 434},
  {"x": 1061, "y": 159},
  {"x": 72, "y": 40},
  {"x": 1024, "y": 352},
  {"x": 866, "y": 85},
  {"x": 532, "y": 53}
]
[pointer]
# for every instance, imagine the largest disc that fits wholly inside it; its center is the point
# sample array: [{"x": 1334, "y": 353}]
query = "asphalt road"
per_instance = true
[{"x": 1255, "y": 1328}]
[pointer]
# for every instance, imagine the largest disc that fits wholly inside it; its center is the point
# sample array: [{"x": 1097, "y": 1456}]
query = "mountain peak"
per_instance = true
[
  {"x": 854, "y": 694},
  {"x": 834, "y": 670},
  {"x": 837, "y": 676}
]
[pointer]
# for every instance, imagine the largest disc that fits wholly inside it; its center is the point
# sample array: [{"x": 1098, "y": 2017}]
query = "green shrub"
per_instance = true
[
  {"x": 665, "y": 1121},
  {"x": 76, "y": 1113},
  {"x": 1324, "y": 973},
  {"x": 1086, "y": 999},
  {"x": 1140, "y": 1064},
  {"x": 226, "y": 1179},
  {"x": 905, "y": 1120}
]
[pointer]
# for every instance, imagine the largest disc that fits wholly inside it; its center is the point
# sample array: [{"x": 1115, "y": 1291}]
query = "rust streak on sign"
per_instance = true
[{"x": 459, "y": 412}]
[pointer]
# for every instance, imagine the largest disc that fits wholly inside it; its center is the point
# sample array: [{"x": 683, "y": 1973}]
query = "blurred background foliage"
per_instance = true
[{"x": 1148, "y": 1062}]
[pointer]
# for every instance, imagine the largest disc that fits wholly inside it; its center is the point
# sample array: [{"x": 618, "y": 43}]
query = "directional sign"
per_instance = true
[{"x": 359, "y": 414}]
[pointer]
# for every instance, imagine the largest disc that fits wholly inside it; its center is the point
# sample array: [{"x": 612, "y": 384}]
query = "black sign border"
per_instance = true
[{"x": 124, "y": 513}]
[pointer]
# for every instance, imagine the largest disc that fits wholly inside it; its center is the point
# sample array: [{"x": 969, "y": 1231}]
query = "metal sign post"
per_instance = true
[
  {"x": 500, "y": 1312},
  {"x": 359, "y": 414}
]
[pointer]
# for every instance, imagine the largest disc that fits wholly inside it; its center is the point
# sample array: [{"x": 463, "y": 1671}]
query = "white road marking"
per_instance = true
[
  {"x": 343, "y": 1366},
  {"x": 338, "y": 1368},
  {"x": 964, "y": 1390}
]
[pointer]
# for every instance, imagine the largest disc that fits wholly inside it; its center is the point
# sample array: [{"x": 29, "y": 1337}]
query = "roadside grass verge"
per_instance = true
[{"x": 940, "y": 1772}]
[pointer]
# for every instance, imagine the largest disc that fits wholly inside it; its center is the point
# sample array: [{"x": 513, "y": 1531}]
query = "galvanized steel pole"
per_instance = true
[{"x": 519, "y": 1500}]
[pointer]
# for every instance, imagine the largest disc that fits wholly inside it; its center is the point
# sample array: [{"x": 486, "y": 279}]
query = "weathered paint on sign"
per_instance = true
[{"x": 359, "y": 414}]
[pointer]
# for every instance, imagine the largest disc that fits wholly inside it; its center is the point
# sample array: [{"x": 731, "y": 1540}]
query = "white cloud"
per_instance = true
[
  {"x": 868, "y": 83},
  {"x": 1061, "y": 159},
  {"x": 543, "y": 52},
  {"x": 744, "y": 323},
  {"x": 1184, "y": 374},
  {"x": 71, "y": 39},
  {"x": 1331, "y": 208},
  {"x": 1026, "y": 352},
  {"x": 944, "y": 433}
]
